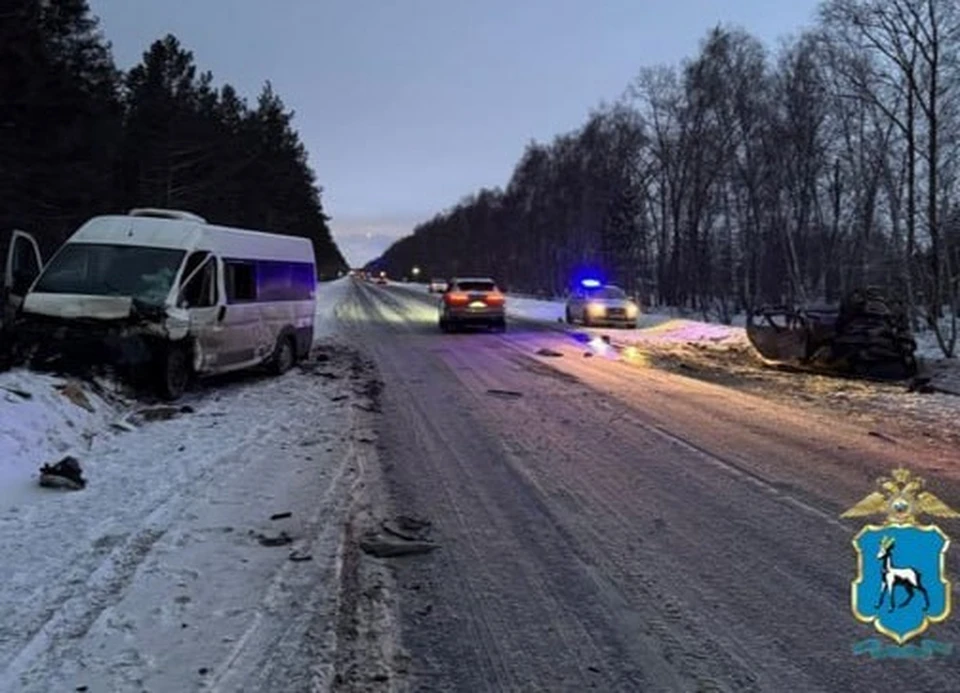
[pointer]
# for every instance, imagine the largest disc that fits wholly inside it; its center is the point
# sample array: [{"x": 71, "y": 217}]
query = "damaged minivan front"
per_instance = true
[
  {"x": 160, "y": 295},
  {"x": 103, "y": 303}
]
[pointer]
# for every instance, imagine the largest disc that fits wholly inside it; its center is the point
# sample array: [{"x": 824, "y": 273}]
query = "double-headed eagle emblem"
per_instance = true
[{"x": 902, "y": 499}]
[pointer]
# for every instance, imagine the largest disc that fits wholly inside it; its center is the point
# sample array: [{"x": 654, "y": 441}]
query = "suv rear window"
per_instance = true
[{"x": 476, "y": 286}]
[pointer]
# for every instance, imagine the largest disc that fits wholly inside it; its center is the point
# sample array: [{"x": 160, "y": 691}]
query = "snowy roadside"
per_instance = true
[{"x": 205, "y": 551}]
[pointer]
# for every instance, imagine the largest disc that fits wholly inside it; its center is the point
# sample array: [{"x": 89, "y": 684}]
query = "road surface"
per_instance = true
[{"x": 612, "y": 527}]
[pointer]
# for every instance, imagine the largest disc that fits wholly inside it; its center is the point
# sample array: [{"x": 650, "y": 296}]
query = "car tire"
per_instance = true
[
  {"x": 444, "y": 325},
  {"x": 499, "y": 325},
  {"x": 284, "y": 355},
  {"x": 569, "y": 317},
  {"x": 174, "y": 373}
]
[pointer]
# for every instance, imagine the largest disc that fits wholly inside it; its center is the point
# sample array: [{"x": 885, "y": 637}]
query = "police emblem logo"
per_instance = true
[{"x": 901, "y": 585}]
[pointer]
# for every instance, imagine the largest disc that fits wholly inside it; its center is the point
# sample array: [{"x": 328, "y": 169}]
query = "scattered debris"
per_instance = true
[
  {"x": 124, "y": 424},
  {"x": 282, "y": 539},
  {"x": 402, "y": 536},
  {"x": 399, "y": 533},
  {"x": 158, "y": 413},
  {"x": 280, "y": 516},
  {"x": 386, "y": 547},
  {"x": 412, "y": 524},
  {"x": 338, "y": 398},
  {"x": 299, "y": 557},
  {"x": 881, "y": 436},
  {"x": 924, "y": 385},
  {"x": 588, "y": 354},
  {"x": 921, "y": 384},
  {"x": 74, "y": 392},
  {"x": 549, "y": 352},
  {"x": 23, "y": 394},
  {"x": 507, "y": 394},
  {"x": 64, "y": 474}
]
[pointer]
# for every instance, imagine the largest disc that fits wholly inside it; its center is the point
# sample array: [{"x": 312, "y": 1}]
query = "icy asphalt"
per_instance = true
[
  {"x": 601, "y": 525},
  {"x": 610, "y": 526}
]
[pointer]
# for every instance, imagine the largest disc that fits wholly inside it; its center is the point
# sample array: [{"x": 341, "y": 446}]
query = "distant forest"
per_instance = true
[
  {"x": 80, "y": 138},
  {"x": 744, "y": 177}
]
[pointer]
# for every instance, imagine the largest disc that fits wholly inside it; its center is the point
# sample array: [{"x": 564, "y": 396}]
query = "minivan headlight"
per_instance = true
[
  {"x": 632, "y": 310},
  {"x": 596, "y": 309}
]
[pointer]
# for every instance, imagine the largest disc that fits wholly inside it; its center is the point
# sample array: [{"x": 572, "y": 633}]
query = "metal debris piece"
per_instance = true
[
  {"x": 65, "y": 474},
  {"x": 385, "y": 547},
  {"x": 507, "y": 394},
  {"x": 282, "y": 539}
]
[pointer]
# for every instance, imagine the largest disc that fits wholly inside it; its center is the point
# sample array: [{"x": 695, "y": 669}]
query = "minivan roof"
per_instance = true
[{"x": 158, "y": 232}]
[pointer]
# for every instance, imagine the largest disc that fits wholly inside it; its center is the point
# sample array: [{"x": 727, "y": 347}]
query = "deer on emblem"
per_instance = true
[{"x": 908, "y": 578}]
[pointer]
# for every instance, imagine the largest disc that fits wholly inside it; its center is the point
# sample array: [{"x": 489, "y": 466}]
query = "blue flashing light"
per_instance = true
[{"x": 590, "y": 283}]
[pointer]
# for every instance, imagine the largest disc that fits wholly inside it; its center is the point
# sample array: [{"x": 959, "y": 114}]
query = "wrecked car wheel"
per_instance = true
[
  {"x": 285, "y": 356},
  {"x": 174, "y": 373}
]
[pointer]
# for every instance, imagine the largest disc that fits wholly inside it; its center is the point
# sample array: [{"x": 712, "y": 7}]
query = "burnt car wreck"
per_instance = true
[{"x": 864, "y": 336}]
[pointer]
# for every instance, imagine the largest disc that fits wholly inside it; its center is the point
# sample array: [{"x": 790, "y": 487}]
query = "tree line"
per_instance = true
[
  {"x": 79, "y": 138},
  {"x": 745, "y": 177}
]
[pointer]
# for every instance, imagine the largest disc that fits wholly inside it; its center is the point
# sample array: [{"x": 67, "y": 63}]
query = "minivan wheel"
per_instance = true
[
  {"x": 174, "y": 373},
  {"x": 284, "y": 356}
]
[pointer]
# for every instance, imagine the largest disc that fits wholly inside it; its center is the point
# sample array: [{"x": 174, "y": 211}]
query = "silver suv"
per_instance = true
[{"x": 596, "y": 304}]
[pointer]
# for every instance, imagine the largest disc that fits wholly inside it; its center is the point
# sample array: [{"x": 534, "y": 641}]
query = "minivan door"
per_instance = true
[
  {"x": 200, "y": 295},
  {"x": 22, "y": 264}
]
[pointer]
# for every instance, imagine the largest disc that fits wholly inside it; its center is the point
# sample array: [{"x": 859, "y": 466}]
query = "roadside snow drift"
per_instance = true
[{"x": 204, "y": 550}]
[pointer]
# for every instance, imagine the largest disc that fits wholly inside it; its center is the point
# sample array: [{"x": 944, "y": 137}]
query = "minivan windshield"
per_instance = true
[
  {"x": 100, "y": 269},
  {"x": 607, "y": 292}
]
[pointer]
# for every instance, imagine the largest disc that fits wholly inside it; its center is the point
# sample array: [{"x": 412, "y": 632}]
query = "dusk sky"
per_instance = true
[{"x": 405, "y": 106}]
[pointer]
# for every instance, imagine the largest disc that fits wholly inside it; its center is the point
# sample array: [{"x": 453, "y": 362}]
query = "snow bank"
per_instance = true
[{"x": 329, "y": 296}]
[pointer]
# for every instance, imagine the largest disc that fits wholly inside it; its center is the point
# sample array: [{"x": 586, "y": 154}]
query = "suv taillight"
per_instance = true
[{"x": 456, "y": 298}]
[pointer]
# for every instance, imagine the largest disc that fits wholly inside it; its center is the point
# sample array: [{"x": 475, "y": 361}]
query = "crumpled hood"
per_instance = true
[{"x": 75, "y": 306}]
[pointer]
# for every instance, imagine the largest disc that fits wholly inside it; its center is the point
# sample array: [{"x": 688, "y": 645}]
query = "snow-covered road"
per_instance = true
[{"x": 162, "y": 574}]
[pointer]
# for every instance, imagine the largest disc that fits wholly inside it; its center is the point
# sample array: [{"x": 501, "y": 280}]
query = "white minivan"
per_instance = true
[{"x": 166, "y": 291}]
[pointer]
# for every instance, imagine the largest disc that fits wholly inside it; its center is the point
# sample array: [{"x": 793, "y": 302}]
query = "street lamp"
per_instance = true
[{"x": 416, "y": 272}]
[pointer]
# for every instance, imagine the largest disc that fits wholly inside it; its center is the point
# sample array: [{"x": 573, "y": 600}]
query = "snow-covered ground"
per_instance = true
[{"x": 162, "y": 573}]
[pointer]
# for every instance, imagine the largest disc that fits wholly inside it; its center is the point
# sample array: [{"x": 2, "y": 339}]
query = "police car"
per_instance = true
[{"x": 594, "y": 304}]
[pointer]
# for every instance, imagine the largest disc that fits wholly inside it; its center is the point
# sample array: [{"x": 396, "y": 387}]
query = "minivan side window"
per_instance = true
[
  {"x": 241, "y": 281},
  {"x": 200, "y": 291}
]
